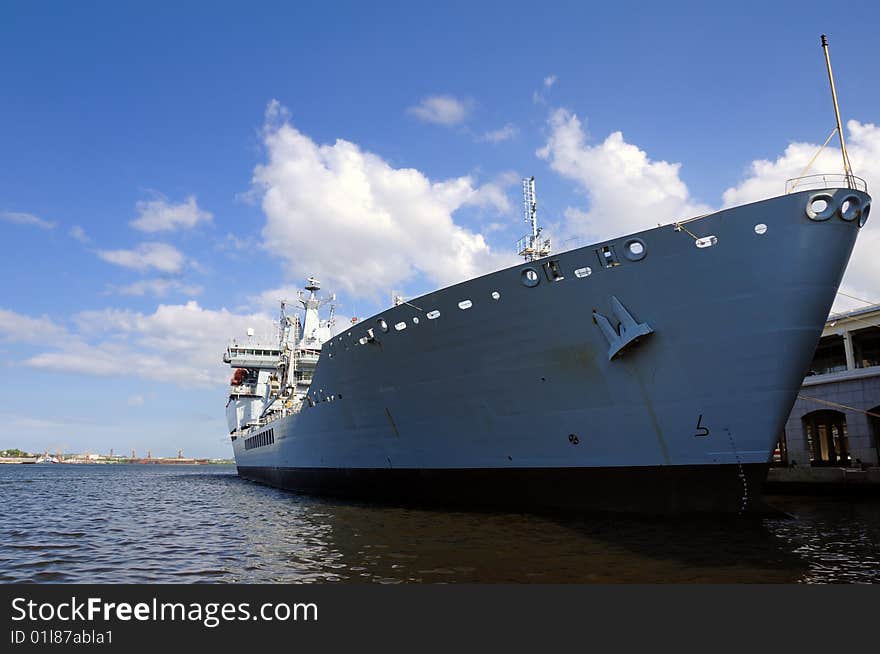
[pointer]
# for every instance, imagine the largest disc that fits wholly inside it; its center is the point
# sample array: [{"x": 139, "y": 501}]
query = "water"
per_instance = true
[{"x": 152, "y": 523}]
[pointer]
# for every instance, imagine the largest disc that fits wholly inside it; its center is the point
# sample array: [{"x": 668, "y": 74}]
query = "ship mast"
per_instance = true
[
  {"x": 847, "y": 168},
  {"x": 530, "y": 246}
]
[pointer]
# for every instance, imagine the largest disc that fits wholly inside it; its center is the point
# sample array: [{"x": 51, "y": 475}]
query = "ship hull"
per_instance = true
[
  {"x": 516, "y": 395},
  {"x": 651, "y": 490}
]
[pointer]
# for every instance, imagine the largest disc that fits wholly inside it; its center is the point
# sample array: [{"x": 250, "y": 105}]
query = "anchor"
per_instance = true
[{"x": 628, "y": 332}]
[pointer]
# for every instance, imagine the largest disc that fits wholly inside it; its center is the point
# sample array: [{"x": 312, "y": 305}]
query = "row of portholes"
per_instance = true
[
  {"x": 324, "y": 397},
  {"x": 634, "y": 249},
  {"x": 464, "y": 305}
]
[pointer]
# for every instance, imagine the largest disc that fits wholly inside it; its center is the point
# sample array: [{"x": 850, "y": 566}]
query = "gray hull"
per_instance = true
[{"x": 526, "y": 400}]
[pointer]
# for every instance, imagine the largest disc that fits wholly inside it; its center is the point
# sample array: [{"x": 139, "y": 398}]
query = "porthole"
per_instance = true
[
  {"x": 465, "y": 304},
  {"x": 530, "y": 277},
  {"x": 583, "y": 272},
  {"x": 635, "y": 249},
  {"x": 496, "y": 295},
  {"x": 760, "y": 229},
  {"x": 415, "y": 320},
  {"x": 362, "y": 340},
  {"x": 382, "y": 325},
  {"x": 432, "y": 315},
  {"x": 820, "y": 206},
  {"x": 850, "y": 208}
]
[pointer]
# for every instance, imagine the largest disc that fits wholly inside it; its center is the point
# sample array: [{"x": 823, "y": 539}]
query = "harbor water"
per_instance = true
[{"x": 170, "y": 523}]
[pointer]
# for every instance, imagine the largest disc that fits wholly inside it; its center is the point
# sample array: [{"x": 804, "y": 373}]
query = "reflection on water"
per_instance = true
[{"x": 69, "y": 523}]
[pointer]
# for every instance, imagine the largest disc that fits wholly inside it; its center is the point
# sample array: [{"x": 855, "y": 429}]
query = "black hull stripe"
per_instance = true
[{"x": 663, "y": 489}]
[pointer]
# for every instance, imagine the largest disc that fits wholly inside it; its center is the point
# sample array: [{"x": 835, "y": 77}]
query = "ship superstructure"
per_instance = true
[{"x": 272, "y": 380}]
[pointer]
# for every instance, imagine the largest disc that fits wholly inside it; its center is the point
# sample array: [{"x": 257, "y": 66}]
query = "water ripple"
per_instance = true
[{"x": 110, "y": 524}]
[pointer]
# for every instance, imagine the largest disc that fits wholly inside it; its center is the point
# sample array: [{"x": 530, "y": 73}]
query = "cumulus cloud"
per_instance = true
[
  {"x": 502, "y": 134},
  {"x": 161, "y": 256},
  {"x": 767, "y": 178},
  {"x": 20, "y": 218},
  {"x": 160, "y": 215},
  {"x": 179, "y": 344},
  {"x": 358, "y": 223},
  {"x": 549, "y": 81},
  {"x": 441, "y": 110},
  {"x": 626, "y": 189}
]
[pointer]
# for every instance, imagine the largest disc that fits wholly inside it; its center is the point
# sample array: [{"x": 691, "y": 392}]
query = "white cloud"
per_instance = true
[
  {"x": 549, "y": 81},
  {"x": 136, "y": 400},
  {"x": 157, "y": 287},
  {"x": 767, "y": 179},
  {"x": 502, "y": 134},
  {"x": 441, "y": 110},
  {"x": 179, "y": 344},
  {"x": 20, "y": 218},
  {"x": 493, "y": 195},
  {"x": 18, "y": 328},
  {"x": 627, "y": 190},
  {"x": 160, "y": 215},
  {"x": 161, "y": 256},
  {"x": 78, "y": 233},
  {"x": 350, "y": 218}
]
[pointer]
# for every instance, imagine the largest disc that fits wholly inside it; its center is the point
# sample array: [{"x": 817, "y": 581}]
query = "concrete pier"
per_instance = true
[{"x": 822, "y": 480}]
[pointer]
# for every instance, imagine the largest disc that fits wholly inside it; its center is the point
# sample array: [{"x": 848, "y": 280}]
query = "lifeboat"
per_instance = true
[{"x": 238, "y": 376}]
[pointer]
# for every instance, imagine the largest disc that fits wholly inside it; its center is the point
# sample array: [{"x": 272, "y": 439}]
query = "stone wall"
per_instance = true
[{"x": 860, "y": 393}]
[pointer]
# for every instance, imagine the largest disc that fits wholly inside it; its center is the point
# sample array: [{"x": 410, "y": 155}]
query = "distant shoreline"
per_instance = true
[{"x": 33, "y": 460}]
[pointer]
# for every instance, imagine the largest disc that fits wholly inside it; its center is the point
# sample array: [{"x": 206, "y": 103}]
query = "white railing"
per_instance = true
[{"x": 825, "y": 181}]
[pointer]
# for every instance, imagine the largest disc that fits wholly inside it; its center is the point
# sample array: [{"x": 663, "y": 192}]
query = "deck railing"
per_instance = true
[{"x": 825, "y": 181}]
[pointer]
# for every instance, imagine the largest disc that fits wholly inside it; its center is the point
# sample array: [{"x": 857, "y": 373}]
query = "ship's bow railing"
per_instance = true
[{"x": 825, "y": 181}]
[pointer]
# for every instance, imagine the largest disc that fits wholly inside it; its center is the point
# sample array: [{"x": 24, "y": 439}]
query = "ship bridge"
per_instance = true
[{"x": 272, "y": 380}]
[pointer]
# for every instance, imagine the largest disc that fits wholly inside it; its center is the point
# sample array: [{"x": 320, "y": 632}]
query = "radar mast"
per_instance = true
[{"x": 530, "y": 246}]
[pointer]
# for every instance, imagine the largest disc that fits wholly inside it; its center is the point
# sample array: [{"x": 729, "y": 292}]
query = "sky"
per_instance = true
[{"x": 169, "y": 171}]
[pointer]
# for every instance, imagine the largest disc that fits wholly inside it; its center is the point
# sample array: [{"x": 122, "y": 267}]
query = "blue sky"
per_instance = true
[{"x": 168, "y": 170}]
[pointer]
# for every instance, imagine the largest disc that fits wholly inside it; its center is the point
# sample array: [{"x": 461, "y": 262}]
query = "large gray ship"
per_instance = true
[{"x": 651, "y": 373}]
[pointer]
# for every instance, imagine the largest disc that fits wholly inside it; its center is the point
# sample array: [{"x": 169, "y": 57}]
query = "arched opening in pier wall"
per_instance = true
[{"x": 825, "y": 433}]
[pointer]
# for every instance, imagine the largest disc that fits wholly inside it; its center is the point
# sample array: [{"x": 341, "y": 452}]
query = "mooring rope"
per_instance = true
[
  {"x": 800, "y": 177},
  {"x": 839, "y": 406}
]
